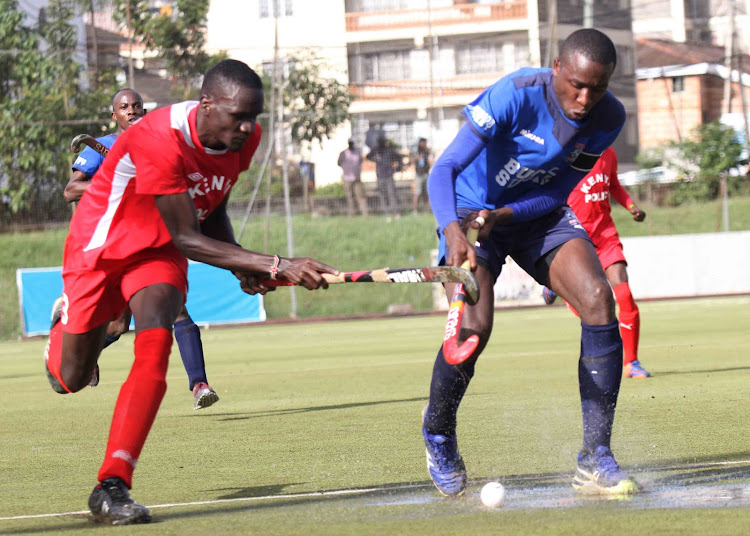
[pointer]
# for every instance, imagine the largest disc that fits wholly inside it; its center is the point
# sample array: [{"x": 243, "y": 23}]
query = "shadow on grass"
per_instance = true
[
  {"x": 707, "y": 371},
  {"x": 292, "y": 411}
]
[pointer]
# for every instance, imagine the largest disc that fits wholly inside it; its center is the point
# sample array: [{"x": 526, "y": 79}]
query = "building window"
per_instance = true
[
  {"x": 387, "y": 66},
  {"x": 678, "y": 84},
  {"x": 283, "y": 8},
  {"x": 478, "y": 58}
]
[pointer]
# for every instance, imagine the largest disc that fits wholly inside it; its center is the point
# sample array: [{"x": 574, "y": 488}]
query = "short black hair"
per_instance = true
[
  {"x": 592, "y": 44},
  {"x": 138, "y": 95},
  {"x": 229, "y": 72}
]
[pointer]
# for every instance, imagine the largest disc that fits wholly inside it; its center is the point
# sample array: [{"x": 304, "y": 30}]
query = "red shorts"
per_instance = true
[
  {"x": 94, "y": 296},
  {"x": 608, "y": 247}
]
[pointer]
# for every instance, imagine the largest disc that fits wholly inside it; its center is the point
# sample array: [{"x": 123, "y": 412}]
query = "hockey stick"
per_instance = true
[
  {"x": 426, "y": 274},
  {"x": 452, "y": 352},
  {"x": 85, "y": 139}
]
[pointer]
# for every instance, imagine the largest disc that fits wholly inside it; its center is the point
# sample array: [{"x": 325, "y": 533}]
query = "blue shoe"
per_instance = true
[
  {"x": 446, "y": 467},
  {"x": 549, "y": 296},
  {"x": 635, "y": 370},
  {"x": 599, "y": 474}
]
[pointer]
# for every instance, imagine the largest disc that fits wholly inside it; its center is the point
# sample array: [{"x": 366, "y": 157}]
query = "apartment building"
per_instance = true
[
  {"x": 413, "y": 64},
  {"x": 706, "y": 21}
]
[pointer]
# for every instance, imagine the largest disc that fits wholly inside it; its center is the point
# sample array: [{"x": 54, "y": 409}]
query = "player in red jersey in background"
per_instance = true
[
  {"x": 590, "y": 202},
  {"x": 159, "y": 197}
]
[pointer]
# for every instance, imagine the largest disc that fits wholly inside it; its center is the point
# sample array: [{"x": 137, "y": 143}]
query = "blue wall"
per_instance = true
[{"x": 214, "y": 297}]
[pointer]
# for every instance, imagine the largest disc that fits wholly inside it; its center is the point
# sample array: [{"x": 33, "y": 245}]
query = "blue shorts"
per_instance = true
[{"x": 526, "y": 242}]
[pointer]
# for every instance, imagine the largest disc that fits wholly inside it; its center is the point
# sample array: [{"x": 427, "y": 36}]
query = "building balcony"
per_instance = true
[
  {"x": 439, "y": 16},
  {"x": 469, "y": 84}
]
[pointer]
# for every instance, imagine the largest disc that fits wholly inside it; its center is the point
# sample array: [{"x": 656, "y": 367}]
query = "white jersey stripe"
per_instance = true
[
  {"x": 178, "y": 117},
  {"x": 124, "y": 172}
]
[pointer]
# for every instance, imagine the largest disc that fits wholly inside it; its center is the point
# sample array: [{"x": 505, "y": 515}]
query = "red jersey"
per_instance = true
[
  {"x": 160, "y": 155},
  {"x": 590, "y": 199}
]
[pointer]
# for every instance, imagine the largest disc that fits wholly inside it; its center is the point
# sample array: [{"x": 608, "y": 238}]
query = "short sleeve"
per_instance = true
[
  {"x": 491, "y": 111},
  {"x": 88, "y": 161},
  {"x": 159, "y": 168}
]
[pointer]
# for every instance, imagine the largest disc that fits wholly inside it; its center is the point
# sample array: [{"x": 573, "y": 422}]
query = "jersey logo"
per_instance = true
[
  {"x": 575, "y": 152},
  {"x": 206, "y": 186},
  {"x": 533, "y": 137},
  {"x": 513, "y": 173},
  {"x": 589, "y": 183},
  {"x": 195, "y": 176},
  {"x": 481, "y": 117},
  {"x": 80, "y": 161}
]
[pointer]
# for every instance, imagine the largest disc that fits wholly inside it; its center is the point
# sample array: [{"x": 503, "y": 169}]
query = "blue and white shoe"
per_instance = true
[
  {"x": 549, "y": 296},
  {"x": 635, "y": 370},
  {"x": 446, "y": 467},
  {"x": 599, "y": 474}
]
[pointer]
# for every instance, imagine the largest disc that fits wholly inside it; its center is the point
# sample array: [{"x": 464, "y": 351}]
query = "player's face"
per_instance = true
[
  {"x": 579, "y": 84},
  {"x": 230, "y": 118},
  {"x": 127, "y": 108}
]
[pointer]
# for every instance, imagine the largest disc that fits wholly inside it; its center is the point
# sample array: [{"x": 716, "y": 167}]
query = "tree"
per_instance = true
[
  {"x": 40, "y": 95},
  {"x": 177, "y": 36},
  {"x": 315, "y": 106},
  {"x": 711, "y": 151}
]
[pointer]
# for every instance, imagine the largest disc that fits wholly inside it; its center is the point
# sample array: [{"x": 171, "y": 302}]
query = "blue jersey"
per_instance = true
[
  {"x": 89, "y": 160},
  {"x": 530, "y": 148}
]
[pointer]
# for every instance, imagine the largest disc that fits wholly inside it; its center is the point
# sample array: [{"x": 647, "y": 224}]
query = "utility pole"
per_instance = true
[
  {"x": 728, "y": 53},
  {"x": 552, "y": 35},
  {"x": 588, "y": 13},
  {"x": 131, "y": 76}
]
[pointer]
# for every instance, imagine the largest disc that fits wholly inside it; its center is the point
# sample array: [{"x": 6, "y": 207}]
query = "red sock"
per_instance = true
[
  {"x": 630, "y": 322},
  {"x": 53, "y": 353},
  {"x": 139, "y": 400}
]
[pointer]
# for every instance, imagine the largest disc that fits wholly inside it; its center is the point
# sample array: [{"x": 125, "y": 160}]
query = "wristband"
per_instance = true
[
  {"x": 631, "y": 206},
  {"x": 275, "y": 268}
]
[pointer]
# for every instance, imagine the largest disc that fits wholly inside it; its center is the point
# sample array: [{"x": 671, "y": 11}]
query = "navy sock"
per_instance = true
[
  {"x": 599, "y": 376},
  {"x": 109, "y": 339},
  {"x": 188, "y": 338},
  {"x": 449, "y": 383}
]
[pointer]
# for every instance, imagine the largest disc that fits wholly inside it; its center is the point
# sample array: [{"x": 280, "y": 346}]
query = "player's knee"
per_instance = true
[
  {"x": 74, "y": 378},
  {"x": 597, "y": 304}
]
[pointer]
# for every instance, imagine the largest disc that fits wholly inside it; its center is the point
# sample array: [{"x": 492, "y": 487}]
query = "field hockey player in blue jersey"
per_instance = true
[{"x": 527, "y": 142}]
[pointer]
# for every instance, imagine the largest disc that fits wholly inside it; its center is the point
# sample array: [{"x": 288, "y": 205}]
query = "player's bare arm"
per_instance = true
[
  {"x": 178, "y": 213},
  {"x": 219, "y": 227},
  {"x": 77, "y": 184}
]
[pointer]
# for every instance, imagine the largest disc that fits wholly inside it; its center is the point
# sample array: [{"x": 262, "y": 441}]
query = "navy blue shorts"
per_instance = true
[{"x": 526, "y": 242}]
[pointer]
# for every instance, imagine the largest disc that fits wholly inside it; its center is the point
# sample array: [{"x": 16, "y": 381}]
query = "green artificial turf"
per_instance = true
[{"x": 331, "y": 406}]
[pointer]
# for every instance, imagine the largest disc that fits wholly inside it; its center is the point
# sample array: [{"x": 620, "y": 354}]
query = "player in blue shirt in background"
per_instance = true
[
  {"x": 127, "y": 108},
  {"x": 528, "y": 141}
]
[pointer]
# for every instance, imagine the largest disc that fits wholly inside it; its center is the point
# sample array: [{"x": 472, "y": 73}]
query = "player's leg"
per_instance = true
[
  {"x": 450, "y": 382},
  {"x": 188, "y": 337},
  {"x": 118, "y": 327},
  {"x": 630, "y": 319},
  {"x": 79, "y": 323},
  {"x": 575, "y": 273},
  {"x": 448, "y": 386},
  {"x": 70, "y": 358},
  {"x": 154, "y": 286}
]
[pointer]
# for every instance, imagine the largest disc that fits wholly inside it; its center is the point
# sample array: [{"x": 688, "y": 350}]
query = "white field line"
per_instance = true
[{"x": 344, "y": 492}]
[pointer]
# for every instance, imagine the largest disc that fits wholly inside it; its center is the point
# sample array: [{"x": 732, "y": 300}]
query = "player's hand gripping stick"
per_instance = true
[{"x": 452, "y": 352}]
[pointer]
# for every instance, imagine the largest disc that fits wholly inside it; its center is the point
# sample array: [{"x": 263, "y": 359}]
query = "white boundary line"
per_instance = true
[{"x": 344, "y": 492}]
